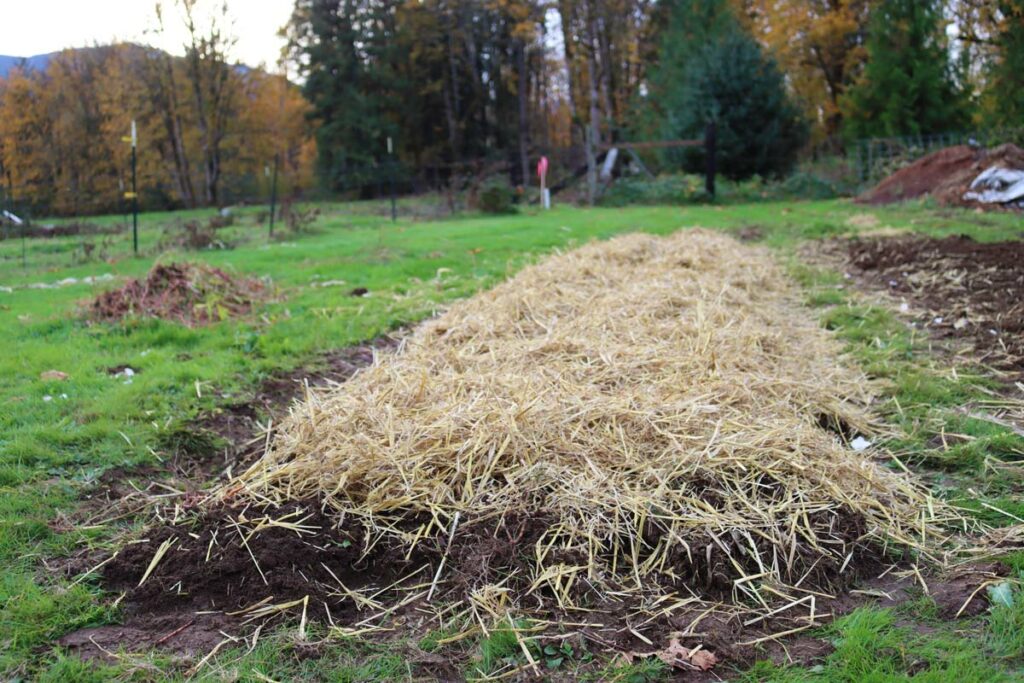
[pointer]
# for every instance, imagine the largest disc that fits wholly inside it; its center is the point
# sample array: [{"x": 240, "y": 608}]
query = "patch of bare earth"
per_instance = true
[
  {"x": 945, "y": 175},
  {"x": 961, "y": 290}
]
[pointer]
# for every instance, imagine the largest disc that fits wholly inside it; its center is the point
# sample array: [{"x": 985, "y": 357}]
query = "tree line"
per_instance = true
[
  {"x": 455, "y": 82},
  {"x": 439, "y": 92},
  {"x": 208, "y": 128}
]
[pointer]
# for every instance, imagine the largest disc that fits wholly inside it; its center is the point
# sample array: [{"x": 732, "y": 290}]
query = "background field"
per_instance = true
[{"x": 59, "y": 437}]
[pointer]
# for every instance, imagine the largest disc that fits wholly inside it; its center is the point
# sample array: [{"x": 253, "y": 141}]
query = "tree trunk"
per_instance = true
[
  {"x": 565, "y": 10},
  {"x": 524, "y": 124}
]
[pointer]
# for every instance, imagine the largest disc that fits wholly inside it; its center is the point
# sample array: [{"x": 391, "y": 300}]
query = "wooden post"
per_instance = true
[
  {"x": 710, "y": 155},
  {"x": 273, "y": 193}
]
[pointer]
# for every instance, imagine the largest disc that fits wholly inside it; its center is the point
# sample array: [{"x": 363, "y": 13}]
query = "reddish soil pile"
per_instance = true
[
  {"x": 189, "y": 293},
  {"x": 945, "y": 175},
  {"x": 970, "y": 290}
]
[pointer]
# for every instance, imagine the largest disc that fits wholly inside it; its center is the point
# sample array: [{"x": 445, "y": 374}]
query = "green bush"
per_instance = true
[{"x": 497, "y": 197}]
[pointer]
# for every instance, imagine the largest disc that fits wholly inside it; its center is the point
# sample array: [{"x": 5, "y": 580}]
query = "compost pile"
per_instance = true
[
  {"x": 967, "y": 290},
  {"x": 647, "y": 427},
  {"x": 188, "y": 293},
  {"x": 945, "y": 175}
]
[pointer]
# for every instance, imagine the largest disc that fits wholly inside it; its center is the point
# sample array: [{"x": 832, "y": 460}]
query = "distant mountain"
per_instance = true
[{"x": 38, "y": 62}]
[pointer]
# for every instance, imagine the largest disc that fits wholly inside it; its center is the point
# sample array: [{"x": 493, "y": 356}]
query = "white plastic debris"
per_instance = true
[
  {"x": 997, "y": 185},
  {"x": 938, "y": 320},
  {"x": 859, "y": 443},
  {"x": 904, "y": 307},
  {"x": 47, "y": 398}
]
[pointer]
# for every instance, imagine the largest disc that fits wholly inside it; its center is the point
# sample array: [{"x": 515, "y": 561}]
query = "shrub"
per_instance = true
[{"x": 497, "y": 197}]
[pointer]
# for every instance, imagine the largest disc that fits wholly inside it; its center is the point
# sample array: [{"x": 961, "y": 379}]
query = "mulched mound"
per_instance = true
[
  {"x": 629, "y": 437},
  {"x": 188, "y": 293},
  {"x": 969, "y": 290},
  {"x": 944, "y": 175}
]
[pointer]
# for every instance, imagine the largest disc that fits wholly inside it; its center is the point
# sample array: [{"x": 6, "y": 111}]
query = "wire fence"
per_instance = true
[
  {"x": 257, "y": 208},
  {"x": 878, "y": 158}
]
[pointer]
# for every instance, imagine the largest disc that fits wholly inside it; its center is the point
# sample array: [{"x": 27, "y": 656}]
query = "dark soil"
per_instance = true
[
  {"x": 969, "y": 291},
  {"x": 944, "y": 175},
  {"x": 211, "y": 567},
  {"x": 188, "y": 293},
  {"x": 121, "y": 494},
  {"x": 208, "y": 568}
]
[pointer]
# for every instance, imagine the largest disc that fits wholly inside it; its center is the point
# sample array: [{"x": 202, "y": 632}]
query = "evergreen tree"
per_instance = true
[
  {"x": 710, "y": 69},
  {"x": 1003, "y": 98},
  {"x": 908, "y": 85},
  {"x": 346, "y": 50}
]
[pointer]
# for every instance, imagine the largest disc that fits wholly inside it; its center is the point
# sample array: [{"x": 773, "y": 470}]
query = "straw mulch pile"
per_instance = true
[{"x": 641, "y": 421}]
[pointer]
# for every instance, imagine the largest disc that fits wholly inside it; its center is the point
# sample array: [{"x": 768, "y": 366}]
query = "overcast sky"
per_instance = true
[{"x": 31, "y": 27}]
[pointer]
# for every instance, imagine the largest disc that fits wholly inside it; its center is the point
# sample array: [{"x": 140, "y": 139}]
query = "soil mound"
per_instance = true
[
  {"x": 945, "y": 175},
  {"x": 969, "y": 290},
  {"x": 189, "y": 293},
  {"x": 636, "y": 434}
]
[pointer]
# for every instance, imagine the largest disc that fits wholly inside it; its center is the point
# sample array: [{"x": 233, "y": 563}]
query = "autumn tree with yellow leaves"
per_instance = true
[{"x": 208, "y": 129}]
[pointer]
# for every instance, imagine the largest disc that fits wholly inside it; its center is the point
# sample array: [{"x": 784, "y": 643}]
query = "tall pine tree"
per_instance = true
[
  {"x": 346, "y": 51},
  {"x": 908, "y": 85},
  {"x": 711, "y": 70}
]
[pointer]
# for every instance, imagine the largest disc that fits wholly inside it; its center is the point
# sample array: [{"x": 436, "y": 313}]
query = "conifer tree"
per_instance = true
[
  {"x": 711, "y": 70},
  {"x": 908, "y": 85}
]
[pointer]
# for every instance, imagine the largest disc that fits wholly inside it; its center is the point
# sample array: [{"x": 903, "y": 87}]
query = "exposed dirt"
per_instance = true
[
  {"x": 120, "y": 494},
  {"x": 188, "y": 293},
  {"x": 967, "y": 290},
  {"x": 208, "y": 572},
  {"x": 750, "y": 233},
  {"x": 944, "y": 175}
]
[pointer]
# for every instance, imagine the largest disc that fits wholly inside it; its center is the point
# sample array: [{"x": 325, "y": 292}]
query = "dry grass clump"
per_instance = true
[{"x": 639, "y": 417}]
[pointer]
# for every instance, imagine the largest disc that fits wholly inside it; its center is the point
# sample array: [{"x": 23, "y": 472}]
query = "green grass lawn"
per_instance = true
[{"x": 57, "y": 437}]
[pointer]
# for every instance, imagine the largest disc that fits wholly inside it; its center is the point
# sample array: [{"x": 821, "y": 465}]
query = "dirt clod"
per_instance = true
[{"x": 188, "y": 293}]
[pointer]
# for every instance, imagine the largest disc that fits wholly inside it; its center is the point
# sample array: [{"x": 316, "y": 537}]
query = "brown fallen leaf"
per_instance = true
[
  {"x": 679, "y": 656},
  {"x": 53, "y": 375},
  {"x": 703, "y": 659}
]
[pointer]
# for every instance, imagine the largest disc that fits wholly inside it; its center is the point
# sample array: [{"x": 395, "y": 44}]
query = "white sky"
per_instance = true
[{"x": 32, "y": 27}]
